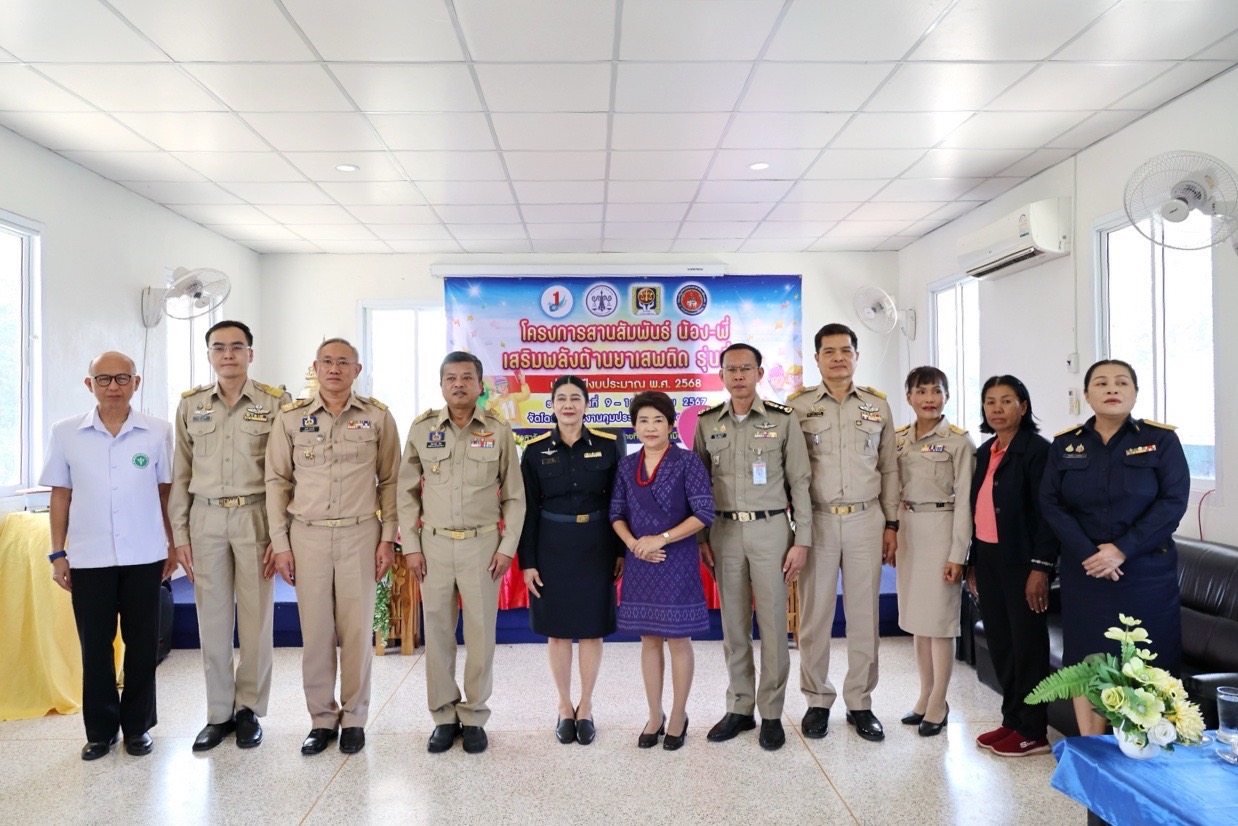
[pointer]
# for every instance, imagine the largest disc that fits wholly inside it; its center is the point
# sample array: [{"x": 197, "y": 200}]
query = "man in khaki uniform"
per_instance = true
[
  {"x": 850, "y": 437},
  {"x": 759, "y": 466},
  {"x": 219, "y": 524},
  {"x": 332, "y": 465},
  {"x": 459, "y": 479}
]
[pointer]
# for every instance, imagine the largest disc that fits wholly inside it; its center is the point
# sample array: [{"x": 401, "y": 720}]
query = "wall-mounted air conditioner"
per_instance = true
[{"x": 1028, "y": 236}]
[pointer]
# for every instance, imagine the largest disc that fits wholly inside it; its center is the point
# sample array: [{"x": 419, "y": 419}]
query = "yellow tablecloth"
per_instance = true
[{"x": 40, "y": 657}]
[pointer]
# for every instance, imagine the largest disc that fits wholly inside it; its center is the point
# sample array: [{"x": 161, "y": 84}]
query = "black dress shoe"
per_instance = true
[
  {"x": 352, "y": 739},
  {"x": 928, "y": 729},
  {"x": 317, "y": 740},
  {"x": 248, "y": 732},
  {"x": 729, "y": 726},
  {"x": 213, "y": 734},
  {"x": 585, "y": 732},
  {"x": 475, "y": 740},
  {"x": 442, "y": 737},
  {"x": 816, "y": 722},
  {"x": 866, "y": 725},
  {"x": 565, "y": 732},
  {"x": 139, "y": 744},
  {"x": 96, "y": 749},
  {"x": 772, "y": 736},
  {"x": 911, "y": 719},
  {"x": 672, "y": 742},
  {"x": 648, "y": 741}
]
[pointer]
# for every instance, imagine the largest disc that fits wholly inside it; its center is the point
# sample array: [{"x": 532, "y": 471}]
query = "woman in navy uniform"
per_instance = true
[
  {"x": 569, "y": 553},
  {"x": 1115, "y": 489}
]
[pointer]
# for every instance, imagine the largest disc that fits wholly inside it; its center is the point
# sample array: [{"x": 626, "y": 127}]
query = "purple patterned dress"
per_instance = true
[{"x": 663, "y": 599}]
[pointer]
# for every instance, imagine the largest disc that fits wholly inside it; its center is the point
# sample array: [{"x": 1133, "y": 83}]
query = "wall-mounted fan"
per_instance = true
[
  {"x": 879, "y": 313},
  {"x": 191, "y": 293},
  {"x": 1167, "y": 190}
]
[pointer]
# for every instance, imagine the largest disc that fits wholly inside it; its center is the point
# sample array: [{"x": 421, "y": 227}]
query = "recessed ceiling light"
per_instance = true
[
  {"x": 347, "y": 167},
  {"x": 758, "y": 166}
]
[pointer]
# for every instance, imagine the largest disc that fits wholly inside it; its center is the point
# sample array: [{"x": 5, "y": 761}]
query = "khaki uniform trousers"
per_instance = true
[
  {"x": 852, "y": 543},
  {"x": 748, "y": 559},
  {"x": 335, "y": 599},
  {"x": 456, "y": 570},
  {"x": 230, "y": 592}
]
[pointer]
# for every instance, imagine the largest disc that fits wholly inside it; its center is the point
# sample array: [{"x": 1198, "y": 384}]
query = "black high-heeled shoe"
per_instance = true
[
  {"x": 675, "y": 741},
  {"x": 928, "y": 729},
  {"x": 648, "y": 741},
  {"x": 912, "y": 719}
]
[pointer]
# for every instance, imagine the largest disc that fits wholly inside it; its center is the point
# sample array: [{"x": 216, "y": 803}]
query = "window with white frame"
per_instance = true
[
  {"x": 189, "y": 365},
  {"x": 402, "y": 346},
  {"x": 1156, "y": 313},
  {"x": 19, "y": 247},
  {"x": 955, "y": 322}
]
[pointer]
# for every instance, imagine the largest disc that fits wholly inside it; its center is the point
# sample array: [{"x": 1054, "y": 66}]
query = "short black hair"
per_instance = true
[
  {"x": 1087, "y": 377},
  {"x": 240, "y": 325},
  {"x": 927, "y": 375},
  {"x": 656, "y": 399},
  {"x": 459, "y": 357},
  {"x": 835, "y": 330},
  {"x": 575, "y": 381},
  {"x": 739, "y": 345},
  {"x": 1020, "y": 391}
]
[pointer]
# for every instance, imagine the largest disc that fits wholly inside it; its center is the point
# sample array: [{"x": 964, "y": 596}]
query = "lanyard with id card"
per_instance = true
[{"x": 758, "y": 470}]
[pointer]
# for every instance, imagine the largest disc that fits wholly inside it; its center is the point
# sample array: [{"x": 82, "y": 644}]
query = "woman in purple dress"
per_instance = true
[{"x": 662, "y": 498}]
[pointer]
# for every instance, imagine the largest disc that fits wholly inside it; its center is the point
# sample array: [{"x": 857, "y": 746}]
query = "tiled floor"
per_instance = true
[{"x": 526, "y": 776}]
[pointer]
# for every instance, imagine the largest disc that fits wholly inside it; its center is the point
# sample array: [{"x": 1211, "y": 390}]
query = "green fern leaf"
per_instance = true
[{"x": 1071, "y": 681}]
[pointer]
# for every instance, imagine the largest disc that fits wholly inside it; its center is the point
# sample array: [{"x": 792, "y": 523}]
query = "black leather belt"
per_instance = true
[
  {"x": 747, "y": 516},
  {"x": 578, "y": 518}
]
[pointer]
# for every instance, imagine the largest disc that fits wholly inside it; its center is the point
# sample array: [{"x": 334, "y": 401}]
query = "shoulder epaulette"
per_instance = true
[
  {"x": 713, "y": 409},
  {"x": 271, "y": 390},
  {"x": 1073, "y": 427},
  {"x": 539, "y": 437},
  {"x": 602, "y": 433},
  {"x": 956, "y": 430},
  {"x": 876, "y": 393},
  {"x": 293, "y": 405},
  {"x": 373, "y": 401},
  {"x": 782, "y": 408},
  {"x": 902, "y": 429},
  {"x": 802, "y": 391},
  {"x": 426, "y": 415},
  {"x": 195, "y": 390},
  {"x": 493, "y": 411},
  {"x": 1161, "y": 425}
]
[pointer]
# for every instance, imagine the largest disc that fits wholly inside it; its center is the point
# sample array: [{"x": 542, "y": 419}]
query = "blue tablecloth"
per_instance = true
[{"x": 1188, "y": 785}]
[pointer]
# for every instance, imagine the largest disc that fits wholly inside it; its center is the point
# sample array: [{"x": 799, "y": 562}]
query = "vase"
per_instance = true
[{"x": 1131, "y": 748}]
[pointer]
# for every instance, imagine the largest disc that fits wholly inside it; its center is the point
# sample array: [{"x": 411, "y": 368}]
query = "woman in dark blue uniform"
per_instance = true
[
  {"x": 568, "y": 550},
  {"x": 1115, "y": 489}
]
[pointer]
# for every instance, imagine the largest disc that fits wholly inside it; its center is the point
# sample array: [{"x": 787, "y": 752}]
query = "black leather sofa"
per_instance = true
[{"x": 1208, "y": 579}]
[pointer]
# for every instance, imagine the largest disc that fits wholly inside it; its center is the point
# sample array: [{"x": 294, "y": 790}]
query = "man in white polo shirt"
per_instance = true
[{"x": 110, "y": 471}]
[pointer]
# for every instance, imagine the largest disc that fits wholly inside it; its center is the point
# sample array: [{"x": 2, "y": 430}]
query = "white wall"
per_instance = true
[
  {"x": 101, "y": 245},
  {"x": 1028, "y": 320}
]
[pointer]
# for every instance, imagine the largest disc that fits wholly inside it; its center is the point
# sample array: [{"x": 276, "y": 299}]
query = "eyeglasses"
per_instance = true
[
  {"x": 343, "y": 364},
  {"x": 217, "y": 349},
  {"x": 744, "y": 369},
  {"x": 103, "y": 380}
]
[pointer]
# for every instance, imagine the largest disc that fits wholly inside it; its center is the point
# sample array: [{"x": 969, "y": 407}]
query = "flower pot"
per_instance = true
[{"x": 1131, "y": 748}]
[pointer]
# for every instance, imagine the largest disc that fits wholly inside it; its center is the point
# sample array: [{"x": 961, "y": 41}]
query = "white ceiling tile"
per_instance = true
[
  {"x": 868, "y": 229},
  {"x": 1224, "y": 49},
  {"x": 479, "y": 214},
  {"x": 636, "y": 245},
  {"x": 895, "y": 243},
  {"x": 381, "y": 214},
  {"x": 88, "y": 131},
  {"x": 1038, "y": 161},
  {"x": 679, "y": 87},
  {"x": 566, "y": 245},
  {"x": 241, "y": 166},
  {"x": 222, "y": 214},
  {"x": 194, "y": 131},
  {"x": 278, "y": 193},
  {"x": 871, "y": 30},
  {"x": 245, "y": 233},
  {"x": 706, "y": 245},
  {"x": 1153, "y": 30},
  {"x": 561, "y": 213},
  {"x": 468, "y": 192},
  {"x": 182, "y": 192},
  {"x": 320, "y": 166},
  {"x": 496, "y": 232},
  {"x": 964, "y": 163},
  {"x": 447, "y": 130},
  {"x": 759, "y": 244},
  {"x": 1095, "y": 127},
  {"x": 282, "y": 247},
  {"x": 822, "y": 191},
  {"x": 991, "y": 188},
  {"x": 373, "y": 192},
  {"x": 742, "y": 191},
  {"x": 727, "y": 212},
  {"x": 562, "y": 130},
  {"x": 506, "y": 246},
  {"x": 802, "y": 212},
  {"x": 678, "y": 130},
  {"x": 813, "y": 87},
  {"x": 895, "y": 211},
  {"x": 538, "y": 30},
  {"x": 561, "y": 87},
  {"x": 920, "y": 228},
  {"x": 559, "y": 192},
  {"x": 949, "y": 87},
  {"x": 926, "y": 189},
  {"x": 645, "y": 212},
  {"x": 951, "y": 211},
  {"x": 315, "y": 131},
  {"x": 842, "y": 243},
  {"x": 309, "y": 214},
  {"x": 220, "y": 30},
  {"x": 717, "y": 229},
  {"x": 984, "y": 30},
  {"x": 556, "y": 166},
  {"x": 1011, "y": 130},
  {"x": 696, "y": 29},
  {"x": 335, "y": 246},
  {"x": 1180, "y": 79},
  {"x": 1076, "y": 86},
  {"x": 784, "y": 164},
  {"x": 641, "y": 229},
  {"x": 410, "y": 232},
  {"x": 409, "y": 88},
  {"x": 22, "y": 88},
  {"x": 551, "y": 232},
  {"x": 417, "y": 246},
  {"x": 63, "y": 30},
  {"x": 792, "y": 229},
  {"x": 646, "y": 191},
  {"x": 378, "y": 30},
  {"x": 140, "y": 87},
  {"x": 254, "y": 87},
  {"x": 783, "y": 130},
  {"x": 898, "y": 130},
  {"x": 333, "y": 232},
  {"x": 863, "y": 163},
  {"x": 671, "y": 166},
  {"x": 135, "y": 166},
  {"x": 451, "y": 166}
]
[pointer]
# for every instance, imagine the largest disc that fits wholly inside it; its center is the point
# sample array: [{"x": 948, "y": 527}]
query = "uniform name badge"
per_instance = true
[
  {"x": 758, "y": 472},
  {"x": 437, "y": 438},
  {"x": 309, "y": 424}
]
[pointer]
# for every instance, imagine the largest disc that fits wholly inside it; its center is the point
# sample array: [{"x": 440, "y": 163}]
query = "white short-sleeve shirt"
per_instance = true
[{"x": 114, "y": 515}]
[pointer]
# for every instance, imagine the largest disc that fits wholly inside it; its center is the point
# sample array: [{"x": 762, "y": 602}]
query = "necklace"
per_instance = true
[{"x": 640, "y": 467}]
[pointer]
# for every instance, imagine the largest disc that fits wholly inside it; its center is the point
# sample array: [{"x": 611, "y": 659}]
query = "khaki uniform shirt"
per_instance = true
[
  {"x": 851, "y": 446},
  {"x": 460, "y": 478},
  {"x": 759, "y": 464},
  {"x": 321, "y": 466},
  {"x": 935, "y": 473},
  {"x": 219, "y": 451}
]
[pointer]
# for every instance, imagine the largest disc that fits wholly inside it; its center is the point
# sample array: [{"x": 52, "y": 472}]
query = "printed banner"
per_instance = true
[{"x": 622, "y": 334}]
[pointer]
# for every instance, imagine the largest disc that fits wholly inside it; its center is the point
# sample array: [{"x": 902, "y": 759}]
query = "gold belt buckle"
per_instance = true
[
  {"x": 745, "y": 516},
  {"x": 844, "y": 510},
  {"x": 582, "y": 518},
  {"x": 458, "y": 534},
  {"x": 230, "y": 501},
  {"x": 334, "y": 523}
]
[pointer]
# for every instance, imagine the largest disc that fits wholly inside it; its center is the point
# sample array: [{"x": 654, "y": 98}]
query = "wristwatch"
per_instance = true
[
  {"x": 56, "y": 555},
  {"x": 892, "y": 524},
  {"x": 666, "y": 537}
]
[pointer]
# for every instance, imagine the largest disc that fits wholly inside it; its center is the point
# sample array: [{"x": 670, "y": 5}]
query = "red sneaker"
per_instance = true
[
  {"x": 1016, "y": 745},
  {"x": 986, "y": 740}
]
